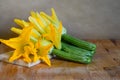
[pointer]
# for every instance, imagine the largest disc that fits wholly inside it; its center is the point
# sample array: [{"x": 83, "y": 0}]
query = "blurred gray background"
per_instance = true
[{"x": 85, "y": 19}]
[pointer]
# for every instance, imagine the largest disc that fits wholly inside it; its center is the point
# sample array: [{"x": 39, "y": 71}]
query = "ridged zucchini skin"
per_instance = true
[
  {"x": 76, "y": 51},
  {"x": 72, "y": 57},
  {"x": 78, "y": 43}
]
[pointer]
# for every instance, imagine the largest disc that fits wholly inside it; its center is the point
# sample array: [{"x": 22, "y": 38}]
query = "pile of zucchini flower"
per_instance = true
[{"x": 43, "y": 36}]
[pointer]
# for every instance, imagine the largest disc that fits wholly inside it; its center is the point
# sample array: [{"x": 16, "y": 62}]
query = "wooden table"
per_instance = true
[{"x": 105, "y": 66}]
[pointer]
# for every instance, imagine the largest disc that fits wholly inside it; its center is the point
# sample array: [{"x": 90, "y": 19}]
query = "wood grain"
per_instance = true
[{"x": 105, "y": 66}]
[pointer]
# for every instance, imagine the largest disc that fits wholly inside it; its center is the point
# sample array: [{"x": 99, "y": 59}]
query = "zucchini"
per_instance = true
[
  {"x": 75, "y": 50},
  {"x": 72, "y": 57},
  {"x": 78, "y": 43}
]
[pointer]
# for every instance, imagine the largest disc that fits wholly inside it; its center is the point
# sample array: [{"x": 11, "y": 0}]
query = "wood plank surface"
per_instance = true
[{"x": 105, "y": 66}]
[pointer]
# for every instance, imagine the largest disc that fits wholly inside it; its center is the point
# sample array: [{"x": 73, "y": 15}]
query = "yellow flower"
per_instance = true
[
  {"x": 54, "y": 35},
  {"x": 43, "y": 47},
  {"x": 51, "y": 30},
  {"x": 51, "y": 19},
  {"x": 31, "y": 51},
  {"x": 54, "y": 29},
  {"x": 21, "y": 45},
  {"x": 23, "y": 24},
  {"x": 36, "y": 23},
  {"x": 39, "y": 19}
]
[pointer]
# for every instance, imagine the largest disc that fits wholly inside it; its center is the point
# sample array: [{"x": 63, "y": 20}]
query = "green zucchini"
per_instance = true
[
  {"x": 72, "y": 57},
  {"x": 76, "y": 51},
  {"x": 78, "y": 43}
]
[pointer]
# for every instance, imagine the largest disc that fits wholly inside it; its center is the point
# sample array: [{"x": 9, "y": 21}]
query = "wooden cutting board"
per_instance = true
[{"x": 105, "y": 66}]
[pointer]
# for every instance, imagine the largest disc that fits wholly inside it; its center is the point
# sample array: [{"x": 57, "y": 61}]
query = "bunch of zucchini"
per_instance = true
[
  {"x": 76, "y": 50},
  {"x": 65, "y": 46},
  {"x": 70, "y": 48}
]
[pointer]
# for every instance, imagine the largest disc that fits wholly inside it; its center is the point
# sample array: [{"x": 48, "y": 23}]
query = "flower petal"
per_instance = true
[
  {"x": 46, "y": 60},
  {"x": 15, "y": 55},
  {"x": 54, "y": 16}
]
